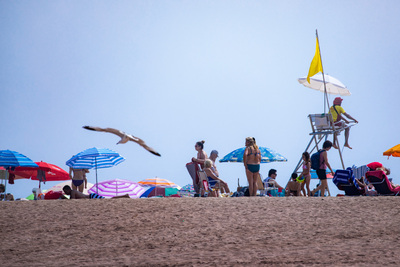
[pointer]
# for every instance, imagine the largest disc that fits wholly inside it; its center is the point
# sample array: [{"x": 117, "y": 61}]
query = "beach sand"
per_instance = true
[{"x": 335, "y": 231}]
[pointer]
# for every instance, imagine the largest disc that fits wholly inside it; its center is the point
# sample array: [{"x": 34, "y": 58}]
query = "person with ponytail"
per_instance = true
[
  {"x": 252, "y": 160},
  {"x": 201, "y": 154}
]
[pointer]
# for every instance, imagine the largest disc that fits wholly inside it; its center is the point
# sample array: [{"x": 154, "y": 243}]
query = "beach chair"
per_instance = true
[
  {"x": 345, "y": 181},
  {"x": 381, "y": 183},
  {"x": 193, "y": 169},
  {"x": 208, "y": 186}
]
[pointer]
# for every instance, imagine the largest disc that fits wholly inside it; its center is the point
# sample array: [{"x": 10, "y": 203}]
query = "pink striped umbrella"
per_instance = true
[{"x": 117, "y": 187}]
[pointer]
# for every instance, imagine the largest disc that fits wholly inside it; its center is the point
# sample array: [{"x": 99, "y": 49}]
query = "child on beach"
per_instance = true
[
  {"x": 306, "y": 167},
  {"x": 293, "y": 188}
]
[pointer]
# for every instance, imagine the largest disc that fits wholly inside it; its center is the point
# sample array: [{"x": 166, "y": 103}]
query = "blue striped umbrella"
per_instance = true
[
  {"x": 97, "y": 158},
  {"x": 10, "y": 158},
  {"x": 267, "y": 155}
]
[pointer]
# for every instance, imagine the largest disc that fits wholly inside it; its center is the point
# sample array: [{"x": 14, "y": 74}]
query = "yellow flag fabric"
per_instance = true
[{"x": 316, "y": 64}]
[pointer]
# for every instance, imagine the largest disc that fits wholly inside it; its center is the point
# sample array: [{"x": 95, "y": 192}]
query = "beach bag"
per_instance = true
[{"x": 315, "y": 160}]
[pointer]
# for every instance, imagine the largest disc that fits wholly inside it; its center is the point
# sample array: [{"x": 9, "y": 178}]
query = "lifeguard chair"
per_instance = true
[{"x": 322, "y": 126}]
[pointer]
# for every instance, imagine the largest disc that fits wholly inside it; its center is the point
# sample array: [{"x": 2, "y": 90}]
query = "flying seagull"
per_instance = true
[{"x": 124, "y": 137}]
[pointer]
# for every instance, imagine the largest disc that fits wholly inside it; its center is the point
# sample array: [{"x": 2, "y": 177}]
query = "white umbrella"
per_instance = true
[{"x": 333, "y": 85}]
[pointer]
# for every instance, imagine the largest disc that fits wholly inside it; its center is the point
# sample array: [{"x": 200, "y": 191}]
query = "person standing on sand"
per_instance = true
[
  {"x": 252, "y": 160},
  {"x": 74, "y": 194},
  {"x": 339, "y": 121},
  {"x": 213, "y": 158},
  {"x": 79, "y": 181},
  {"x": 306, "y": 173},
  {"x": 201, "y": 154},
  {"x": 321, "y": 172}
]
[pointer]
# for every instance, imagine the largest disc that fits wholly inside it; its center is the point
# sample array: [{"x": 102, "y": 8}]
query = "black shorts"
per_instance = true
[{"x": 321, "y": 174}]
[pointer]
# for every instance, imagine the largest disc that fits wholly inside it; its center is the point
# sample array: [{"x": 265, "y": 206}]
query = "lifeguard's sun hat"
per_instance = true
[{"x": 337, "y": 101}]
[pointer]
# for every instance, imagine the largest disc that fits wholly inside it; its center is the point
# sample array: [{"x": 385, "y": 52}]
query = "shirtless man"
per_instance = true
[
  {"x": 78, "y": 178},
  {"x": 74, "y": 194}
]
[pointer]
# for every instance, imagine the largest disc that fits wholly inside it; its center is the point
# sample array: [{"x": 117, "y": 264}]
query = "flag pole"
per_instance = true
[
  {"x": 323, "y": 75},
  {"x": 326, "y": 98}
]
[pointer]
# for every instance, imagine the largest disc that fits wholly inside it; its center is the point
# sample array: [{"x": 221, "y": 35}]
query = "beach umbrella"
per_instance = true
[
  {"x": 333, "y": 85},
  {"x": 10, "y": 159},
  {"x": 50, "y": 172},
  {"x": 394, "y": 151},
  {"x": 118, "y": 187},
  {"x": 96, "y": 158},
  {"x": 158, "y": 182},
  {"x": 155, "y": 191},
  {"x": 187, "y": 190},
  {"x": 267, "y": 155}
]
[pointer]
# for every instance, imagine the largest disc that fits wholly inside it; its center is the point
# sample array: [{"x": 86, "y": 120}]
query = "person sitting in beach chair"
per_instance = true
[
  {"x": 345, "y": 180},
  {"x": 378, "y": 178},
  {"x": 270, "y": 181},
  {"x": 214, "y": 181},
  {"x": 74, "y": 194}
]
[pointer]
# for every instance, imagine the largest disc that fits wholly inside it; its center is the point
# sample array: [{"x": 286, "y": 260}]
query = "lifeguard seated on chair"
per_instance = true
[{"x": 339, "y": 121}]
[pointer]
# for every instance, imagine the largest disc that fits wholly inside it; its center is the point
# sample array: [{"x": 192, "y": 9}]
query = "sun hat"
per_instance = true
[{"x": 337, "y": 101}]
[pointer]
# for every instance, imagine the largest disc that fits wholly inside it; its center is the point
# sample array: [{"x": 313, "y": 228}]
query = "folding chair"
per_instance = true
[
  {"x": 345, "y": 180},
  {"x": 207, "y": 186}
]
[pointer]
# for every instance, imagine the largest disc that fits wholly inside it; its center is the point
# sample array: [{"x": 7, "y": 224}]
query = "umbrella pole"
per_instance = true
[{"x": 95, "y": 165}]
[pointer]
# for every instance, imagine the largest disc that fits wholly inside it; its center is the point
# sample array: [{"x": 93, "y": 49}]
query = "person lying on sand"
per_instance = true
[{"x": 74, "y": 194}]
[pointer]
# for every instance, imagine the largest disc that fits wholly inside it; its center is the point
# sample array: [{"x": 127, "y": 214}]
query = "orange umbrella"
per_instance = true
[
  {"x": 158, "y": 182},
  {"x": 394, "y": 151}
]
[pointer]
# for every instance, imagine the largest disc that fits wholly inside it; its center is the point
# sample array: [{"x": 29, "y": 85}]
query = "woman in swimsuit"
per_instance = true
[
  {"x": 78, "y": 178},
  {"x": 306, "y": 174},
  {"x": 201, "y": 154},
  {"x": 252, "y": 160}
]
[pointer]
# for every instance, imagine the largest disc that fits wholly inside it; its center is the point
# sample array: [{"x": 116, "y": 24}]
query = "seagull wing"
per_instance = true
[
  {"x": 107, "y": 130},
  {"x": 143, "y": 144}
]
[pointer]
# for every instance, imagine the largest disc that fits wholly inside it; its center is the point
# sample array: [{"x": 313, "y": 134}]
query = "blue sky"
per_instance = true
[{"x": 176, "y": 72}]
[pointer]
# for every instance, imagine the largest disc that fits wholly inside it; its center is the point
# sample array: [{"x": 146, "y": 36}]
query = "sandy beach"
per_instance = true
[{"x": 335, "y": 231}]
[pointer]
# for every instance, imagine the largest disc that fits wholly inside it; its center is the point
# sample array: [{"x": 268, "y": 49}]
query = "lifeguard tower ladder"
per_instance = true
[{"x": 322, "y": 126}]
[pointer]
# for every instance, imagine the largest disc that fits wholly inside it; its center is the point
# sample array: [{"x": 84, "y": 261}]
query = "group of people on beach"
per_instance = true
[{"x": 252, "y": 160}]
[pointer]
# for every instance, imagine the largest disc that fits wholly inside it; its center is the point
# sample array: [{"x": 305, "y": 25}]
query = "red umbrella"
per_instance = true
[{"x": 51, "y": 172}]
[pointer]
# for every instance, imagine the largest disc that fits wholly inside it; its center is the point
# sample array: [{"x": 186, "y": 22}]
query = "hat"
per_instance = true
[
  {"x": 337, "y": 101},
  {"x": 214, "y": 152}
]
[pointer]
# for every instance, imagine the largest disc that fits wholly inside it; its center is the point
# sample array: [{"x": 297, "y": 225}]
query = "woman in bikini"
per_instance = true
[
  {"x": 306, "y": 174},
  {"x": 201, "y": 154},
  {"x": 78, "y": 178},
  {"x": 252, "y": 160}
]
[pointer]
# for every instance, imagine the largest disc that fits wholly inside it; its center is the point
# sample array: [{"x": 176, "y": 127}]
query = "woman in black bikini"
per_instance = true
[
  {"x": 78, "y": 179},
  {"x": 252, "y": 160}
]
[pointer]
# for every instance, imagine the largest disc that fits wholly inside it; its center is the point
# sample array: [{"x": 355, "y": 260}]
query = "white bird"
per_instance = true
[{"x": 124, "y": 137}]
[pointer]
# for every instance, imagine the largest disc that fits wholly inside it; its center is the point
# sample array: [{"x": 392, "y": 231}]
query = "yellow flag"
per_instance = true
[{"x": 316, "y": 64}]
